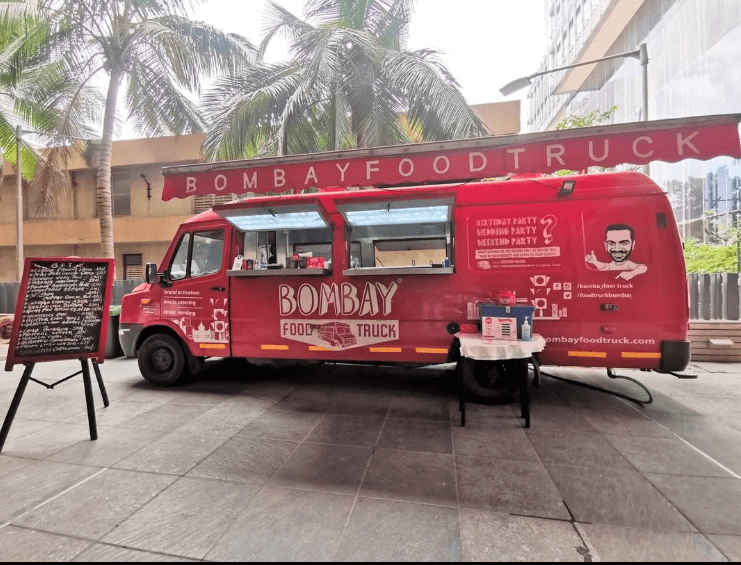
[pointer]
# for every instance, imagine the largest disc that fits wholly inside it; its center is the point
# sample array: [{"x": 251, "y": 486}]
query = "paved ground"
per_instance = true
[{"x": 344, "y": 463}]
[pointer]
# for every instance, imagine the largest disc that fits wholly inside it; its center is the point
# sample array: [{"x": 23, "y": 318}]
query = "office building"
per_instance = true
[{"x": 694, "y": 69}]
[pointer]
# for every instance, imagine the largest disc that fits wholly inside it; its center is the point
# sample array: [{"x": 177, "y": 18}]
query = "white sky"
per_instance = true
[{"x": 484, "y": 43}]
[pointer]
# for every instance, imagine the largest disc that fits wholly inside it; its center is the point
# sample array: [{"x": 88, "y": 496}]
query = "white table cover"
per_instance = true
[{"x": 498, "y": 349}]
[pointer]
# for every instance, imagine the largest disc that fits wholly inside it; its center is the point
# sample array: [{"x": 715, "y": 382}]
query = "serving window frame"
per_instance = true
[
  {"x": 352, "y": 229},
  {"x": 276, "y": 210}
]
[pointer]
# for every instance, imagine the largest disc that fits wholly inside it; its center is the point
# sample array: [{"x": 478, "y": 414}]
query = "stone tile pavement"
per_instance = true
[{"x": 347, "y": 463}]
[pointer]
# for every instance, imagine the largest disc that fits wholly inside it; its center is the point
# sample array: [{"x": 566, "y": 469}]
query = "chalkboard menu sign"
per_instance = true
[{"x": 62, "y": 310}]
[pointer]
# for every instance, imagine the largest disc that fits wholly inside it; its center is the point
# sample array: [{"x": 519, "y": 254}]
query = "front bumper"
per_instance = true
[{"x": 128, "y": 335}]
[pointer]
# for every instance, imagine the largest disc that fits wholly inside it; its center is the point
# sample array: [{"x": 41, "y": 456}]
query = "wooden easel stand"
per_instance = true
[{"x": 87, "y": 383}]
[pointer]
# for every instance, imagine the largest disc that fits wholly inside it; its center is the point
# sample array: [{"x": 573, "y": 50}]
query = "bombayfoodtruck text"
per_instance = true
[{"x": 590, "y": 340}]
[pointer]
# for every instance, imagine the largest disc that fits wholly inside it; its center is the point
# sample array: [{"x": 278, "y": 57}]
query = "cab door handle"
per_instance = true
[{"x": 219, "y": 288}]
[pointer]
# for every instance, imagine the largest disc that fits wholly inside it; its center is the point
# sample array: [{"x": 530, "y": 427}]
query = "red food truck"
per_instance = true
[{"x": 402, "y": 263}]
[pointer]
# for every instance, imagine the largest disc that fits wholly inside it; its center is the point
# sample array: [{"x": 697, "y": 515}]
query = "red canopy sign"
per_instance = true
[{"x": 638, "y": 143}]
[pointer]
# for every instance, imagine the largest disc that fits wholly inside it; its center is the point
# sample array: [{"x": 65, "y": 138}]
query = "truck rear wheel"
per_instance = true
[
  {"x": 162, "y": 361},
  {"x": 491, "y": 381}
]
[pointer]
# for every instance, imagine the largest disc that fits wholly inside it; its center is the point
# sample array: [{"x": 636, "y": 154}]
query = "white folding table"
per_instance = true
[{"x": 473, "y": 348}]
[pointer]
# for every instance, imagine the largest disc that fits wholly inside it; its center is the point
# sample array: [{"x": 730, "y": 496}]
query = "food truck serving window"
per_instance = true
[
  {"x": 287, "y": 238},
  {"x": 411, "y": 235}
]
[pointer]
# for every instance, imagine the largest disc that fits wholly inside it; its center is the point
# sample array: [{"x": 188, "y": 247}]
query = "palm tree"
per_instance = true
[
  {"x": 349, "y": 84},
  {"x": 148, "y": 48},
  {"x": 19, "y": 102}
]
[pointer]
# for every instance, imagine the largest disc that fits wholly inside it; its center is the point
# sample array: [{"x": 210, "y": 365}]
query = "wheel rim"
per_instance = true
[{"x": 163, "y": 359}]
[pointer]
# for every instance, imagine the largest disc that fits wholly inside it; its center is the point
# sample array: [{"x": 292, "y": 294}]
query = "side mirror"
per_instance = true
[{"x": 151, "y": 273}]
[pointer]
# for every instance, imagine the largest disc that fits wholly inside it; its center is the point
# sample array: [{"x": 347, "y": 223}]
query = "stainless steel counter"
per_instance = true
[
  {"x": 366, "y": 271},
  {"x": 281, "y": 273}
]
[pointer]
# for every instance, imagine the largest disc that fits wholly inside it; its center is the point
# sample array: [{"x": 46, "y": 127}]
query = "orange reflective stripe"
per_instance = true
[
  {"x": 640, "y": 355},
  {"x": 600, "y": 354}
]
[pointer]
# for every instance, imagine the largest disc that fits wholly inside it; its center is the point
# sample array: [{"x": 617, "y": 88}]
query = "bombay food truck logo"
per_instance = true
[{"x": 346, "y": 300}]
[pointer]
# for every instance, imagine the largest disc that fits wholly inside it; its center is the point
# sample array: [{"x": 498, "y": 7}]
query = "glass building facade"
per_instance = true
[{"x": 694, "y": 49}]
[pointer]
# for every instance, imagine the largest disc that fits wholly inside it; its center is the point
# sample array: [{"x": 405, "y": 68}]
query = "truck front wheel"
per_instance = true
[{"x": 162, "y": 361}]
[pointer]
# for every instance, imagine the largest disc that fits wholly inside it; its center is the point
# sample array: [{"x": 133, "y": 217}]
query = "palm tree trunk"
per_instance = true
[{"x": 105, "y": 209}]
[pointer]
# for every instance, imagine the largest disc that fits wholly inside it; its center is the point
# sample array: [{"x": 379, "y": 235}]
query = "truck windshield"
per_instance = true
[
  {"x": 206, "y": 251},
  {"x": 180, "y": 260}
]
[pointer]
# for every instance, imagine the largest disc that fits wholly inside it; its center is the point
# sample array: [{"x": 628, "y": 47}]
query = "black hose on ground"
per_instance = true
[{"x": 614, "y": 393}]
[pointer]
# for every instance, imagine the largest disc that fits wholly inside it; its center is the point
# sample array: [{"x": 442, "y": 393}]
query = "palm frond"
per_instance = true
[
  {"x": 51, "y": 179},
  {"x": 351, "y": 83},
  {"x": 436, "y": 104},
  {"x": 279, "y": 22},
  {"x": 299, "y": 109},
  {"x": 147, "y": 9},
  {"x": 376, "y": 112},
  {"x": 391, "y": 26},
  {"x": 19, "y": 10},
  {"x": 191, "y": 50},
  {"x": 244, "y": 108},
  {"x": 156, "y": 107},
  {"x": 9, "y": 148}
]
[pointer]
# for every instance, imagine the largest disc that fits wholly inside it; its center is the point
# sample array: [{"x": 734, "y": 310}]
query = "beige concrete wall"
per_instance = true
[
  {"x": 155, "y": 207},
  {"x": 74, "y": 229},
  {"x": 87, "y": 232},
  {"x": 7, "y": 196},
  {"x": 501, "y": 118},
  {"x": 148, "y": 236},
  {"x": 160, "y": 151},
  {"x": 151, "y": 253}
]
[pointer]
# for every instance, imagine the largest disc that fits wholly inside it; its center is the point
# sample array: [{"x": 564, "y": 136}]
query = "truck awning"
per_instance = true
[{"x": 639, "y": 143}]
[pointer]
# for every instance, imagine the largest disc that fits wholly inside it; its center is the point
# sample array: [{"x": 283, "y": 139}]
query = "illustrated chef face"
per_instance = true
[{"x": 619, "y": 242}]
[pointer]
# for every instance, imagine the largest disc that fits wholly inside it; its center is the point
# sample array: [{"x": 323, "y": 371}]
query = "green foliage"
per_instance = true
[
  {"x": 593, "y": 118},
  {"x": 718, "y": 256},
  {"x": 705, "y": 258},
  {"x": 21, "y": 100}
]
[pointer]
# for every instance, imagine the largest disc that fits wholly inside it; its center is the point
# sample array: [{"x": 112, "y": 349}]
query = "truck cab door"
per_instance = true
[{"x": 197, "y": 301}]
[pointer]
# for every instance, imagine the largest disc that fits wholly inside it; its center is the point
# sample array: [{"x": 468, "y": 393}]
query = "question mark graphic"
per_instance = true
[{"x": 551, "y": 221}]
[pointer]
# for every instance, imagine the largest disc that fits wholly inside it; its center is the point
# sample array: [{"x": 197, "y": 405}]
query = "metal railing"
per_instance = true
[
  {"x": 714, "y": 296},
  {"x": 8, "y": 296}
]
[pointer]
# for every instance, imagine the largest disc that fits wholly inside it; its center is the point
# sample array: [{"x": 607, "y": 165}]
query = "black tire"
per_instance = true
[
  {"x": 162, "y": 361},
  {"x": 195, "y": 364},
  {"x": 493, "y": 382}
]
